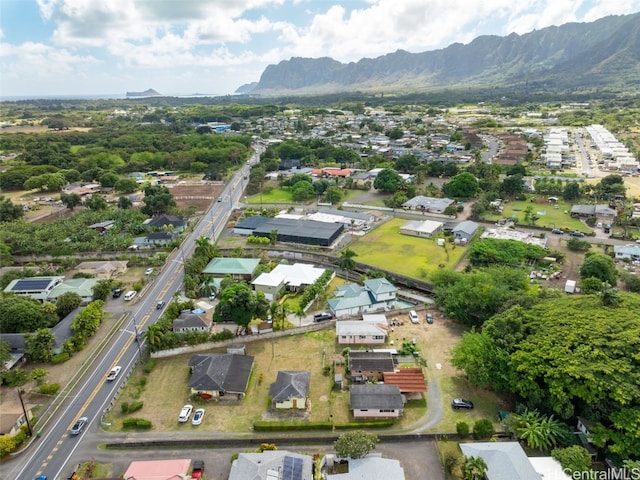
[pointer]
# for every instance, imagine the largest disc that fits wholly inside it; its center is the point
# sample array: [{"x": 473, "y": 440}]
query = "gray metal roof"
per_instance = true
[
  {"x": 375, "y": 396},
  {"x": 467, "y": 227},
  {"x": 360, "y": 361},
  {"x": 189, "y": 320}
]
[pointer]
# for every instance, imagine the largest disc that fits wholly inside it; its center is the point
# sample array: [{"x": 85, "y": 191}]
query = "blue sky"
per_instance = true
[{"x": 85, "y": 47}]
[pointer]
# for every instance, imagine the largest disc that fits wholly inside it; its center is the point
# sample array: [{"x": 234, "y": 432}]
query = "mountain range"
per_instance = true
[{"x": 605, "y": 52}]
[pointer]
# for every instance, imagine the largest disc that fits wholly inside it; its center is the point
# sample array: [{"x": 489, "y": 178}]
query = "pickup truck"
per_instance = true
[{"x": 113, "y": 374}]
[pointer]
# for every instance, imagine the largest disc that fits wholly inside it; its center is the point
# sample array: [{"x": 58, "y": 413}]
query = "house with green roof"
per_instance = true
[
  {"x": 237, "y": 268},
  {"x": 81, "y": 286},
  {"x": 353, "y": 299}
]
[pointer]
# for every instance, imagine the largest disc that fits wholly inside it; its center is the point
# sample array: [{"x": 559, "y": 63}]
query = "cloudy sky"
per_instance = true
[{"x": 85, "y": 47}]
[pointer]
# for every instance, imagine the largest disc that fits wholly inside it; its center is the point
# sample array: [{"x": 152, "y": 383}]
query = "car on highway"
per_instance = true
[
  {"x": 79, "y": 426},
  {"x": 113, "y": 374},
  {"x": 458, "y": 403},
  {"x": 429, "y": 318},
  {"x": 148, "y": 271},
  {"x": 160, "y": 305},
  {"x": 185, "y": 413},
  {"x": 557, "y": 231},
  {"x": 198, "y": 415},
  {"x": 41, "y": 477}
]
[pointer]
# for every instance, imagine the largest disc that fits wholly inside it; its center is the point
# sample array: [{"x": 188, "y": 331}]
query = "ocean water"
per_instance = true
[{"x": 104, "y": 96}]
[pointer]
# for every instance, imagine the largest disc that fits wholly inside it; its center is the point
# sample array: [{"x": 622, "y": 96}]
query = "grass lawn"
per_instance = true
[
  {"x": 551, "y": 218},
  {"x": 276, "y": 195},
  {"x": 385, "y": 247}
]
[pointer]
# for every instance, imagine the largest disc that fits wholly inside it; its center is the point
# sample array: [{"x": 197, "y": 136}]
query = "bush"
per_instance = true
[
  {"x": 134, "y": 407},
  {"x": 149, "y": 366},
  {"x": 136, "y": 423},
  {"x": 234, "y": 457},
  {"x": 61, "y": 357},
  {"x": 483, "y": 428},
  {"x": 7, "y": 445},
  {"x": 451, "y": 460},
  {"x": 15, "y": 377},
  {"x": 49, "y": 388},
  {"x": 573, "y": 459},
  {"x": 124, "y": 407},
  {"x": 463, "y": 429},
  {"x": 143, "y": 424}
]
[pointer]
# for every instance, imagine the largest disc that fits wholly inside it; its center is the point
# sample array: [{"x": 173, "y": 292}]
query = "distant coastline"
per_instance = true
[{"x": 106, "y": 96}]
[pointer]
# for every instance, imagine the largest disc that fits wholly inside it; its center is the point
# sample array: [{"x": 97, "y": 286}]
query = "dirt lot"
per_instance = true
[{"x": 199, "y": 195}]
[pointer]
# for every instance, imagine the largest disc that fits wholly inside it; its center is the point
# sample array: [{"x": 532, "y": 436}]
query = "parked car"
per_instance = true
[
  {"x": 458, "y": 403},
  {"x": 321, "y": 317},
  {"x": 160, "y": 305},
  {"x": 429, "y": 318},
  {"x": 198, "y": 415},
  {"x": 116, "y": 292},
  {"x": 212, "y": 297},
  {"x": 576, "y": 234},
  {"x": 148, "y": 271},
  {"x": 557, "y": 231},
  {"x": 185, "y": 413},
  {"x": 113, "y": 374},
  {"x": 129, "y": 295},
  {"x": 198, "y": 469},
  {"x": 79, "y": 426},
  {"x": 413, "y": 316}
]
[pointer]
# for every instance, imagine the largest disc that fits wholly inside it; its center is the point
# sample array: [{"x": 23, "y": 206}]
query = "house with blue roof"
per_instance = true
[
  {"x": 631, "y": 252},
  {"x": 352, "y": 299}
]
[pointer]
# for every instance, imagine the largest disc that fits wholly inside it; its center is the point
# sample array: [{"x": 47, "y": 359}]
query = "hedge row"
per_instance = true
[
  {"x": 263, "y": 426},
  {"x": 137, "y": 423}
]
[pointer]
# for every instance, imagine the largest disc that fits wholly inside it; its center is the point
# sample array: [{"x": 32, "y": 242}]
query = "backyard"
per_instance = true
[{"x": 384, "y": 247}]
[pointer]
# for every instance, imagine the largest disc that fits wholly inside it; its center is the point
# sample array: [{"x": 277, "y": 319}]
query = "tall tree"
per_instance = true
[
  {"x": 346, "y": 261},
  {"x": 38, "y": 345},
  {"x": 9, "y": 211},
  {"x": 388, "y": 181}
]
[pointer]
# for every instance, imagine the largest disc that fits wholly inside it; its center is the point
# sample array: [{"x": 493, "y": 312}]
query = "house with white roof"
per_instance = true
[
  {"x": 371, "y": 466},
  {"x": 505, "y": 460},
  {"x": 427, "y": 204},
  {"x": 370, "y": 331},
  {"x": 293, "y": 277},
  {"x": 423, "y": 229}
]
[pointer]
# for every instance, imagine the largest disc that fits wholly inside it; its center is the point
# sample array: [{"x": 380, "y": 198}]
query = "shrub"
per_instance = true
[
  {"x": 463, "y": 429},
  {"x": 7, "y": 445},
  {"x": 15, "y": 377},
  {"x": 451, "y": 460},
  {"x": 143, "y": 424},
  {"x": 124, "y": 407},
  {"x": 574, "y": 459},
  {"x": 483, "y": 428},
  {"x": 134, "y": 407},
  {"x": 149, "y": 366},
  {"x": 61, "y": 357},
  {"x": 49, "y": 388},
  {"x": 136, "y": 423},
  {"x": 142, "y": 382},
  {"x": 233, "y": 458}
]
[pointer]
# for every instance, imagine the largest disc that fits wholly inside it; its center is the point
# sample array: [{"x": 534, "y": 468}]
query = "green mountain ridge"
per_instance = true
[{"x": 573, "y": 55}]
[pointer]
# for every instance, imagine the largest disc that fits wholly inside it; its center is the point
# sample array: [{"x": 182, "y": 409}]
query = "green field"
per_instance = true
[
  {"x": 384, "y": 247},
  {"x": 283, "y": 195},
  {"x": 550, "y": 217}
]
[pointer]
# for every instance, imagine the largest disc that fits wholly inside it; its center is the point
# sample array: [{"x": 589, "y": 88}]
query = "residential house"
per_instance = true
[
  {"x": 290, "y": 390},
  {"x": 237, "y": 268},
  {"x": 465, "y": 230},
  {"x": 505, "y": 460},
  {"x": 158, "y": 469},
  {"x": 272, "y": 465},
  {"x": 631, "y": 252},
  {"x": 367, "y": 365},
  {"x": 331, "y": 172},
  {"x": 80, "y": 286},
  {"x": 603, "y": 213},
  {"x": 12, "y": 419},
  {"x": 370, "y": 466},
  {"x": 191, "y": 322},
  {"x": 160, "y": 239},
  {"x": 423, "y": 229},
  {"x": 353, "y": 299},
  {"x": 105, "y": 269},
  {"x": 102, "y": 227},
  {"x": 166, "y": 222},
  {"x": 427, "y": 204},
  {"x": 371, "y": 330},
  {"x": 294, "y": 277},
  {"x": 218, "y": 375},
  {"x": 38, "y": 288},
  {"x": 376, "y": 401}
]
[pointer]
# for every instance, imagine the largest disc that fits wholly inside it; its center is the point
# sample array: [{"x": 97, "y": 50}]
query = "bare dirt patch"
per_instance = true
[{"x": 198, "y": 195}]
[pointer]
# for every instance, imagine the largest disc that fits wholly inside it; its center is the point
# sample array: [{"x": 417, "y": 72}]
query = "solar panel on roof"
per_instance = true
[
  {"x": 292, "y": 468},
  {"x": 32, "y": 284}
]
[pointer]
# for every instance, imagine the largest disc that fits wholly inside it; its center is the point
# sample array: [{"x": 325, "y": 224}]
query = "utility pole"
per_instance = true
[
  {"x": 24, "y": 410},
  {"x": 135, "y": 326}
]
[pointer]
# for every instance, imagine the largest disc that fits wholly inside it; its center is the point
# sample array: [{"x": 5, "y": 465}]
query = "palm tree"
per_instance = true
[
  {"x": 474, "y": 468},
  {"x": 609, "y": 295},
  {"x": 154, "y": 335},
  {"x": 346, "y": 262},
  {"x": 538, "y": 431},
  {"x": 204, "y": 248}
]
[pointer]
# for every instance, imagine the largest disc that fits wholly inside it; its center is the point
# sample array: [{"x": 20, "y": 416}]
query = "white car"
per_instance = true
[
  {"x": 148, "y": 271},
  {"x": 413, "y": 316},
  {"x": 113, "y": 374},
  {"x": 185, "y": 413},
  {"x": 198, "y": 415}
]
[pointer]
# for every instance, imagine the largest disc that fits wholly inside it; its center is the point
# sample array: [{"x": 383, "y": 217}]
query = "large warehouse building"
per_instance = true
[{"x": 306, "y": 232}]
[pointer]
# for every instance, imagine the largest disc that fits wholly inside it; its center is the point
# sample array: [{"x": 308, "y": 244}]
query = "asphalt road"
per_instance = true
[{"x": 50, "y": 453}]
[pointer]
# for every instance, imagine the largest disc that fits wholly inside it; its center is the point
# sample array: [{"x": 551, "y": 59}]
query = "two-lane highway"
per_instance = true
[{"x": 48, "y": 455}]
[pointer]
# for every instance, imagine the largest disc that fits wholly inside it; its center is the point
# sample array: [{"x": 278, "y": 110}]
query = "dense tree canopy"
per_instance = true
[
  {"x": 240, "y": 305},
  {"x": 388, "y": 180},
  {"x": 599, "y": 266},
  {"x": 463, "y": 185}
]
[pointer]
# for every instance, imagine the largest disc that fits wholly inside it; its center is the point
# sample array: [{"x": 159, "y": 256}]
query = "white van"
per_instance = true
[
  {"x": 129, "y": 295},
  {"x": 413, "y": 316}
]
